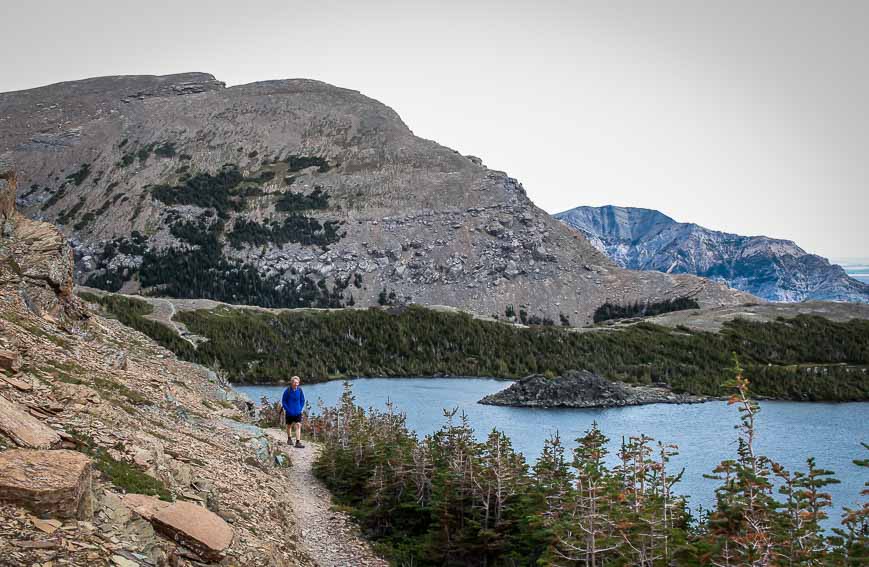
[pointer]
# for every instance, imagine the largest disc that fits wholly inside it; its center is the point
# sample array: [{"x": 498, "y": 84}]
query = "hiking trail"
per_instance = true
[{"x": 331, "y": 538}]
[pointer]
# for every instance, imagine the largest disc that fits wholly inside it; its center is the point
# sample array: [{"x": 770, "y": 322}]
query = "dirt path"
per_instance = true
[{"x": 331, "y": 538}]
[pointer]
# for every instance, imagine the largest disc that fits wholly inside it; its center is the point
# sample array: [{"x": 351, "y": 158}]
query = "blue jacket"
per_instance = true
[{"x": 293, "y": 401}]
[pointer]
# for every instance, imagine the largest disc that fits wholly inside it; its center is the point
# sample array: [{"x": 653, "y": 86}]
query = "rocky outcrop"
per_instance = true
[
  {"x": 23, "y": 429},
  {"x": 315, "y": 188},
  {"x": 8, "y": 188},
  {"x": 199, "y": 529},
  {"x": 582, "y": 389},
  {"x": 9, "y": 360},
  {"x": 54, "y": 484},
  {"x": 777, "y": 270},
  {"x": 153, "y": 426},
  {"x": 35, "y": 257},
  {"x": 195, "y": 527}
]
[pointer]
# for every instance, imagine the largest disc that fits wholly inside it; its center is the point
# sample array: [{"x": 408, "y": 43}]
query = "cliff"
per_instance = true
[{"x": 35, "y": 258}]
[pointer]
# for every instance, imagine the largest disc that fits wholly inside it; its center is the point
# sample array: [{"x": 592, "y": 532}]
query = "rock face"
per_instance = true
[
  {"x": 9, "y": 360},
  {"x": 582, "y": 389},
  {"x": 77, "y": 380},
  {"x": 50, "y": 483},
  {"x": 23, "y": 429},
  {"x": 777, "y": 270},
  {"x": 318, "y": 195},
  {"x": 34, "y": 256},
  {"x": 195, "y": 527}
]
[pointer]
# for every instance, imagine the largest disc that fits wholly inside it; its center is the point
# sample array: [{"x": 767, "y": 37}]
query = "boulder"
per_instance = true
[
  {"x": 49, "y": 483},
  {"x": 145, "y": 506},
  {"x": 24, "y": 429},
  {"x": 194, "y": 527},
  {"x": 9, "y": 360}
]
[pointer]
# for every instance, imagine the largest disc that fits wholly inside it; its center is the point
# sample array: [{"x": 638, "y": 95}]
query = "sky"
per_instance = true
[{"x": 749, "y": 116}]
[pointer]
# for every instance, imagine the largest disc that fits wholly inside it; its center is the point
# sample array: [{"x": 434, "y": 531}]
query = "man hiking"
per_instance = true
[{"x": 293, "y": 402}]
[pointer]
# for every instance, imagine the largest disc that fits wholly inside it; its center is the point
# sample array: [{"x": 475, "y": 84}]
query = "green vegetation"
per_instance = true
[
  {"x": 142, "y": 153},
  {"x": 609, "y": 311},
  {"x": 131, "y": 312},
  {"x": 197, "y": 233},
  {"x": 165, "y": 150},
  {"x": 289, "y": 201},
  {"x": 79, "y": 176},
  {"x": 298, "y": 163},
  {"x": 205, "y": 190},
  {"x": 448, "y": 499},
  {"x": 199, "y": 268},
  {"x": 55, "y": 197},
  {"x": 806, "y": 358},
  {"x": 295, "y": 228},
  {"x": 68, "y": 215},
  {"x": 126, "y": 476},
  {"x": 202, "y": 271}
]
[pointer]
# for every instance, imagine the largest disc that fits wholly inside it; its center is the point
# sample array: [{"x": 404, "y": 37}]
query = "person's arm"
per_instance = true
[
  {"x": 285, "y": 401},
  {"x": 302, "y": 399}
]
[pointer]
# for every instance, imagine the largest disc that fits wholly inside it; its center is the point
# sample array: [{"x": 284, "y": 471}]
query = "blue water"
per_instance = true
[
  {"x": 788, "y": 431},
  {"x": 857, "y": 268}
]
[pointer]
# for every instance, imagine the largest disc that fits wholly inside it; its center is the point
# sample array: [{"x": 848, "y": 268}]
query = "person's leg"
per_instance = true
[
  {"x": 298, "y": 425},
  {"x": 289, "y": 432}
]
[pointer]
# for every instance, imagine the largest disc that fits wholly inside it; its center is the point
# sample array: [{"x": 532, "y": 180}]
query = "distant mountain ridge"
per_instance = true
[{"x": 770, "y": 268}]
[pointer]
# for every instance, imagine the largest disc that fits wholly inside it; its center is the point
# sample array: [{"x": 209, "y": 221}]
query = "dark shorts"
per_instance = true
[{"x": 294, "y": 418}]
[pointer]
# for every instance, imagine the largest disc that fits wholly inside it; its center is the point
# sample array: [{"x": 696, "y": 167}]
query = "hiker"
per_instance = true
[{"x": 293, "y": 402}]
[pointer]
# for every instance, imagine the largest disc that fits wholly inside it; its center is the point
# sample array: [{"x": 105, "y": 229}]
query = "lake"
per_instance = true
[
  {"x": 788, "y": 431},
  {"x": 857, "y": 268}
]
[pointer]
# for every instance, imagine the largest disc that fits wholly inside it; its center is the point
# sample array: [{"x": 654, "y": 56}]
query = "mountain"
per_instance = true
[
  {"x": 296, "y": 193},
  {"x": 776, "y": 270},
  {"x": 97, "y": 422}
]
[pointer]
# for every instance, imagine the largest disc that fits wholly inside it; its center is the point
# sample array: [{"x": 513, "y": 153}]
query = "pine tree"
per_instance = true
[{"x": 587, "y": 534}]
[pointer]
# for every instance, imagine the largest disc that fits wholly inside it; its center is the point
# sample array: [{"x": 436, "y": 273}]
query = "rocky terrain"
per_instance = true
[
  {"x": 772, "y": 269},
  {"x": 582, "y": 389},
  {"x": 296, "y": 193},
  {"x": 713, "y": 320},
  {"x": 113, "y": 452}
]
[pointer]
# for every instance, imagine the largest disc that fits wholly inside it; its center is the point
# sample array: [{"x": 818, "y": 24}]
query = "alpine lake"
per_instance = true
[{"x": 705, "y": 433}]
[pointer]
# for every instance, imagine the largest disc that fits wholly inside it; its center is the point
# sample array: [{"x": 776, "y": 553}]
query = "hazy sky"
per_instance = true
[{"x": 749, "y": 116}]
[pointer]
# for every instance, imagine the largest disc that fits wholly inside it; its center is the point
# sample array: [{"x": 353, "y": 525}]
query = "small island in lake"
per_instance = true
[{"x": 583, "y": 389}]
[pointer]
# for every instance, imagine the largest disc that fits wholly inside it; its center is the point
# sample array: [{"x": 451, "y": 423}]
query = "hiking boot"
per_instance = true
[{"x": 299, "y": 445}]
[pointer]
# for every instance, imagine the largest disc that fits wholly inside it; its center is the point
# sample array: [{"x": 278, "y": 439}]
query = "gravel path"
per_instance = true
[{"x": 331, "y": 538}]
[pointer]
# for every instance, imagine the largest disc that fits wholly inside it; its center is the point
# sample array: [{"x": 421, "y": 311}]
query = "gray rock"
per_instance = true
[
  {"x": 582, "y": 389},
  {"x": 778, "y": 270}
]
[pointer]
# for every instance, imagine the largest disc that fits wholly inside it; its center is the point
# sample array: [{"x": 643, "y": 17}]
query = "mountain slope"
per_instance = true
[
  {"x": 295, "y": 193},
  {"x": 97, "y": 420},
  {"x": 777, "y": 270}
]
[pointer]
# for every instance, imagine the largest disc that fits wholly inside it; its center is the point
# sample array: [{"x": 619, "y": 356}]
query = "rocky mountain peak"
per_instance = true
[
  {"x": 771, "y": 268},
  {"x": 295, "y": 193}
]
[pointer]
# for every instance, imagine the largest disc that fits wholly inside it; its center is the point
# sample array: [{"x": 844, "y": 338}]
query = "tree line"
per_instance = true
[
  {"x": 805, "y": 358},
  {"x": 450, "y": 500}
]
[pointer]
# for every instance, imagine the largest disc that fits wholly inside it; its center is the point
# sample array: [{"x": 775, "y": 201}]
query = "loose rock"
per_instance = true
[{"x": 52, "y": 483}]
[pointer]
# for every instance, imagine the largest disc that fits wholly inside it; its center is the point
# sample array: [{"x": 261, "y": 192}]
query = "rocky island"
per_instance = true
[{"x": 582, "y": 389}]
